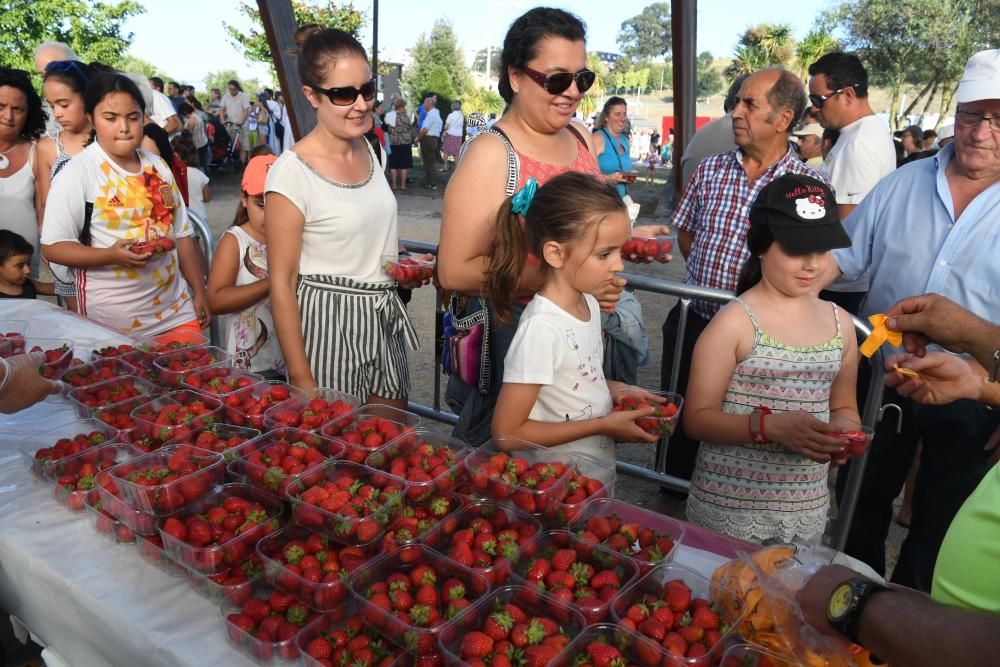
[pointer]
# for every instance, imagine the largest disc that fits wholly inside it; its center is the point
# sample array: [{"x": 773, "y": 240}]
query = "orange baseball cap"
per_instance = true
[{"x": 256, "y": 173}]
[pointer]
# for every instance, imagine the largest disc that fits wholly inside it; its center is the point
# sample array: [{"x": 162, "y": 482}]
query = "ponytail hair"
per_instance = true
[
  {"x": 241, "y": 217},
  {"x": 759, "y": 239},
  {"x": 562, "y": 210}
]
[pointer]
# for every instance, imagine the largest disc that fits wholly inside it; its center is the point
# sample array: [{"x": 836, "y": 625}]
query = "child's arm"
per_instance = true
[
  {"x": 843, "y": 393},
  {"x": 45, "y": 289},
  {"x": 79, "y": 256},
  {"x": 712, "y": 366},
  {"x": 514, "y": 405},
  {"x": 224, "y": 295},
  {"x": 206, "y": 194},
  {"x": 189, "y": 258}
]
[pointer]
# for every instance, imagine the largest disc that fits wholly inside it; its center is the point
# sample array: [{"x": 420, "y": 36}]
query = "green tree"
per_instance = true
[
  {"x": 760, "y": 46},
  {"x": 479, "y": 64},
  {"x": 92, "y": 29},
  {"x": 253, "y": 44},
  {"x": 708, "y": 77},
  {"x": 220, "y": 80},
  {"x": 439, "y": 82},
  {"x": 483, "y": 100},
  {"x": 437, "y": 54},
  {"x": 815, "y": 45},
  {"x": 647, "y": 34},
  {"x": 135, "y": 65}
]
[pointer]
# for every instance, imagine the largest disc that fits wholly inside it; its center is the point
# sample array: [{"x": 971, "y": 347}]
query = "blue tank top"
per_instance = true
[{"x": 611, "y": 160}]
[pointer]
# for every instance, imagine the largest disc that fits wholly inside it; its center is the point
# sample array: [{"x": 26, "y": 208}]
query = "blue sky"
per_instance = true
[{"x": 169, "y": 35}]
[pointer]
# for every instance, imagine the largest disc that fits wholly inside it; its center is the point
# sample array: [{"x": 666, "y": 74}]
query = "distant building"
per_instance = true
[{"x": 608, "y": 58}]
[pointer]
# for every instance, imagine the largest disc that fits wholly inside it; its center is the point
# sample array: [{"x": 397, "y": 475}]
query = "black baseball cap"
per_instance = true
[{"x": 801, "y": 214}]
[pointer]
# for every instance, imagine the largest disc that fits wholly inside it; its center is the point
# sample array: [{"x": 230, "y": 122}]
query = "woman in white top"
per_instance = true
[
  {"x": 330, "y": 219},
  {"x": 195, "y": 124},
  {"x": 22, "y": 122},
  {"x": 454, "y": 131}
]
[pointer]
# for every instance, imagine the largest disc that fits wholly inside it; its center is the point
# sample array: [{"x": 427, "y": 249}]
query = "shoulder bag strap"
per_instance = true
[{"x": 513, "y": 161}]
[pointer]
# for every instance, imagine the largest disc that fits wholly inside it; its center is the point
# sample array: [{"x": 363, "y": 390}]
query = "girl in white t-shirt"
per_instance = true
[
  {"x": 554, "y": 391},
  {"x": 238, "y": 284},
  {"x": 116, "y": 216}
]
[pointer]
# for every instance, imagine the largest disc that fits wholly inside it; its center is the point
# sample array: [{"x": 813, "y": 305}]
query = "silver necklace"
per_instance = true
[{"x": 4, "y": 160}]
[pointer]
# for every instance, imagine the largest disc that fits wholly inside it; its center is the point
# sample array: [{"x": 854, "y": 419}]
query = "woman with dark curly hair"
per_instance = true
[{"x": 22, "y": 122}]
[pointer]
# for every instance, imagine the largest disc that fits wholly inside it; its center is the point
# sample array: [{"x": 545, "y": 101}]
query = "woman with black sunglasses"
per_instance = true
[
  {"x": 543, "y": 76},
  {"x": 330, "y": 218}
]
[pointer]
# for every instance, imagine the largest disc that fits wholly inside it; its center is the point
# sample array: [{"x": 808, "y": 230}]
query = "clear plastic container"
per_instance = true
[
  {"x": 409, "y": 269},
  {"x": 140, "y": 522},
  {"x": 161, "y": 498},
  {"x": 151, "y": 550},
  {"x": 603, "y": 562},
  {"x": 532, "y": 602},
  {"x": 651, "y": 586},
  {"x": 114, "y": 348},
  {"x": 220, "y": 381},
  {"x": 373, "y": 576},
  {"x": 634, "y": 648},
  {"x": 486, "y": 517},
  {"x": 175, "y": 366},
  {"x": 260, "y": 461},
  {"x": 238, "y": 588},
  {"x": 246, "y": 407},
  {"x": 751, "y": 655},
  {"x": 368, "y": 428},
  {"x": 217, "y": 556},
  {"x": 119, "y": 415},
  {"x": 12, "y": 329},
  {"x": 487, "y": 482},
  {"x": 311, "y": 411},
  {"x": 417, "y": 518},
  {"x": 58, "y": 354},
  {"x": 441, "y": 475},
  {"x": 112, "y": 393},
  {"x": 628, "y": 514},
  {"x": 259, "y": 649},
  {"x": 75, "y": 476},
  {"x": 639, "y": 249},
  {"x": 661, "y": 424},
  {"x": 279, "y": 549},
  {"x": 44, "y": 449},
  {"x": 219, "y": 438},
  {"x": 106, "y": 524},
  {"x": 346, "y": 618},
  {"x": 185, "y": 411},
  {"x": 347, "y": 527},
  {"x": 96, "y": 372},
  {"x": 588, "y": 481}
]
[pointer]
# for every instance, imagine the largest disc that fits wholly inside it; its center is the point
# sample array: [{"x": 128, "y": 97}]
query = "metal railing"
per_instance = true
[
  {"x": 870, "y": 412},
  {"x": 204, "y": 234}
]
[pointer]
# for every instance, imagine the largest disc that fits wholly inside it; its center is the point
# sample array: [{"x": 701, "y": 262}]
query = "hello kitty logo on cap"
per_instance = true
[{"x": 811, "y": 207}]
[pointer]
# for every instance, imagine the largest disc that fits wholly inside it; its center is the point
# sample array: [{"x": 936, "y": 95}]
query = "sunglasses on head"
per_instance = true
[
  {"x": 345, "y": 96},
  {"x": 561, "y": 81},
  {"x": 65, "y": 66}
]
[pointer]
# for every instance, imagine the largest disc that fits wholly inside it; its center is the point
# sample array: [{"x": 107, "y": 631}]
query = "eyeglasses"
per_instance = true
[
  {"x": 65, "y": 66},
  {"x": 969, "y": 120},
  {"x": 345, "y": 96},
  {"x": 560, "y": 81},
  {"x": 819, "y": 100}
]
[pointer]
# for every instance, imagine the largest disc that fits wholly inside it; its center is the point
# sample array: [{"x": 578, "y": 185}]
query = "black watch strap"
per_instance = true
[{"x": 863, "y": 590}]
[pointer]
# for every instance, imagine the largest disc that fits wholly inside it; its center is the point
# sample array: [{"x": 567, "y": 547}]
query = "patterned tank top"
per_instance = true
[
  {"x": 62, "y": 157},
  {"x": 585, "y": 163},
  {"x": 761, "y": 492}
]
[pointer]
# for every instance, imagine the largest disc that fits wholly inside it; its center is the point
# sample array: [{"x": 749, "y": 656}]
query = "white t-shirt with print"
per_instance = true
[
  {"x": 348, "y": 227},
  {"x": 566, "y": 356},
  {"x": 862, "y": 156},
  {"x": 140, "y": 206},
  {"x": 197, "y": 180}
]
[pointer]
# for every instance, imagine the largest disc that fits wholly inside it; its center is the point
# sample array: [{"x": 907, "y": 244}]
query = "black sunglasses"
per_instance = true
[
  {"x": 344, "y": 96},
  {"x": 560, "y": 81},
  {"x": 65, "y": 66},
  {"x": 819, "y": 100}
]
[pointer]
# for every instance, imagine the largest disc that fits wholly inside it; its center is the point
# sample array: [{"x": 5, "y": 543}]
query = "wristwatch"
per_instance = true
[
  {"x": 757, "y": 435},
  {"x": 995, "y": 369},
  {"x": 846, "y": 603}
]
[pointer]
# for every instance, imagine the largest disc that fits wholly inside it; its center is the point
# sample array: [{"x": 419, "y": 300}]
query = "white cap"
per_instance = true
[
  {"x": 814, "y": 129},
  {"x": 981, "y": 79},
  {"x": 946, "y": 132}
]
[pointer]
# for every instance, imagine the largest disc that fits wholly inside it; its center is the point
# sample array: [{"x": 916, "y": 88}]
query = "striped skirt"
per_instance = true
[{"x": 355, "y": 335}]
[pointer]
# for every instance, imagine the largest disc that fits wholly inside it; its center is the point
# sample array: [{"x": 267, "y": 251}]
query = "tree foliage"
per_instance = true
[
  {"x": 760, "y": 46},
  {"x": 709, "y": 81},
  {"x": 220, "y": 79},
  {"x": 92, "y": 29},
  {"x": 135, "y": 65},
  {"x": 647, "y": 34},
  {"x": 815, "y": 45},
  {"x": 483, "y": 100},
  {"x": 253, "y": 44},
  {"x": 479, "y": 63},
  {"x": 438, "y": 66}
]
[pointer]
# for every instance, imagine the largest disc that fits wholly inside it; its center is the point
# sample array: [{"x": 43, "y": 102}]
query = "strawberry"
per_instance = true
[
  {"x": 476, "y": 644},
  {"x": 706, "y": 618}
]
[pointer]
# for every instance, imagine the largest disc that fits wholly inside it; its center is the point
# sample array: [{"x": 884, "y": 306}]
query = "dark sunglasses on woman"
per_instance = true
[
  {"x": 560, "y": 81},
  {"x": 344, "y": 96}
]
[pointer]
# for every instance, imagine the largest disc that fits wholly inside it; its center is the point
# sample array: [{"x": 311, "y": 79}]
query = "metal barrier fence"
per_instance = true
[{"x": 871, "y": 411}]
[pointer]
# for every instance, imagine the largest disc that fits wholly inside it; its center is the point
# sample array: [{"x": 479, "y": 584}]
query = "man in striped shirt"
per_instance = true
[{"x": 712, "y": 216}]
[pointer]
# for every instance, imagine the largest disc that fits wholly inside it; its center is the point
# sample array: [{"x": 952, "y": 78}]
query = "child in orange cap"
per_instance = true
[{"x": 238, "y": 284}]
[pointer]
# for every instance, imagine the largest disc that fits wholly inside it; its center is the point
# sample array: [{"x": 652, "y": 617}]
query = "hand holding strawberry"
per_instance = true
[
  {"x": 645, "y": 250},
  {"x": 410, "y": 271}
]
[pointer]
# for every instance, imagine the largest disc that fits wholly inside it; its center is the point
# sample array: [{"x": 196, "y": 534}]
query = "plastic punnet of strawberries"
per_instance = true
[
  {"x": 685, "y": 626},
  {"x": 111, "y": 392},
  {"x": 76, "y": 476},
  {"x": 409, "y": 269},
  {"x": 173, "y": 416},
  {"x": 69, "y": 446},
  {"x": 166, "y": 480},
  {"x": 644, "y": 545},
  {"x": 579, "y": 490},
  {"x": 411, "y": 602},
  {"x": 106, "y": 524},
  {"x": 175, "y": 366},
  {"x": 347, "y": 505},
  {"x": 647, "y": 249},
  {"x": 114, "y": 502},
  {"x": 219, "y": 438},
  {"x": 531, "y": 487},
  {"x": 96, "y": 371},
  {"x": 607, "y": 644},
  {"x": 429, "y": 462},
  {"x": 578, "y": 573},
  {"x": 119, "y": 415},
  {"x": 235, "y": 581},
  {"x": 310, "y": 414},
  {"x": 57, "y": 360},
  {"x": 662, "y": 422},
  {"x": 343, "y": 639},
  {"x": 368, "y": 428},
  {"x": 310, "y": 566},
  {"x": 414, "y": 520},
  {"x": 272, "y": 460},
  {"x": 220, "y": 381},
  {"x": 113, "y": 351},
  {"x": 266, "y": 624},
  {"x": 485, "y": 536},
  {"x": 15, "y": 344},
  {"x": 246, "y": 407}
]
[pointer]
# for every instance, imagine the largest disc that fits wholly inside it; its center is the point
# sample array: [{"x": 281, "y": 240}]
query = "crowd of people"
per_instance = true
[{"x": 535, "y": 218}]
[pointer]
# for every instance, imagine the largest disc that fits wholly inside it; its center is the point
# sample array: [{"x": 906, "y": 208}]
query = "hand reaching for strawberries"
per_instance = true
[
  {"x": 804, "y": 434},
  {"x": 623, "y": 425},
  {"x": 21, "y": 385},
  {"x": 122, "y": 254}
]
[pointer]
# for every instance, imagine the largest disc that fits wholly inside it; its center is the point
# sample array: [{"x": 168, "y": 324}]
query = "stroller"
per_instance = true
[{"x": 225, "y": 151}]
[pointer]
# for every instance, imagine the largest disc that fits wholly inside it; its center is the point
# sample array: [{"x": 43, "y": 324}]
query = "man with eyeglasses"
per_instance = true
[
  {"x": 864, "y": 154},
  {"x": 931, "y": 226}
]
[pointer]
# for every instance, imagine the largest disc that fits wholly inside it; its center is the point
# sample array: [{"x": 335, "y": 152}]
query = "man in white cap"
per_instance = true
[
  {"x": 931, "y": 226},
  {"x": 863, "y": 155},
  {"x": 946, "y": 135},
  {"x": 810, "y": 139}
]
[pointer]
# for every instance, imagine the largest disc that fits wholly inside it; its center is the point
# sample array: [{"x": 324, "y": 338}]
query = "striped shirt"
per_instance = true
[{"x": 715, "y": 209}]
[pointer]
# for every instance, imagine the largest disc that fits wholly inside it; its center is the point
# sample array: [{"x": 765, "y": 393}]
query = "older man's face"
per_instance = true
[
  {"x": 809, "y": 146},
  {"x": 977, "y": 145},
  {"x": 752, "y": 122}
]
